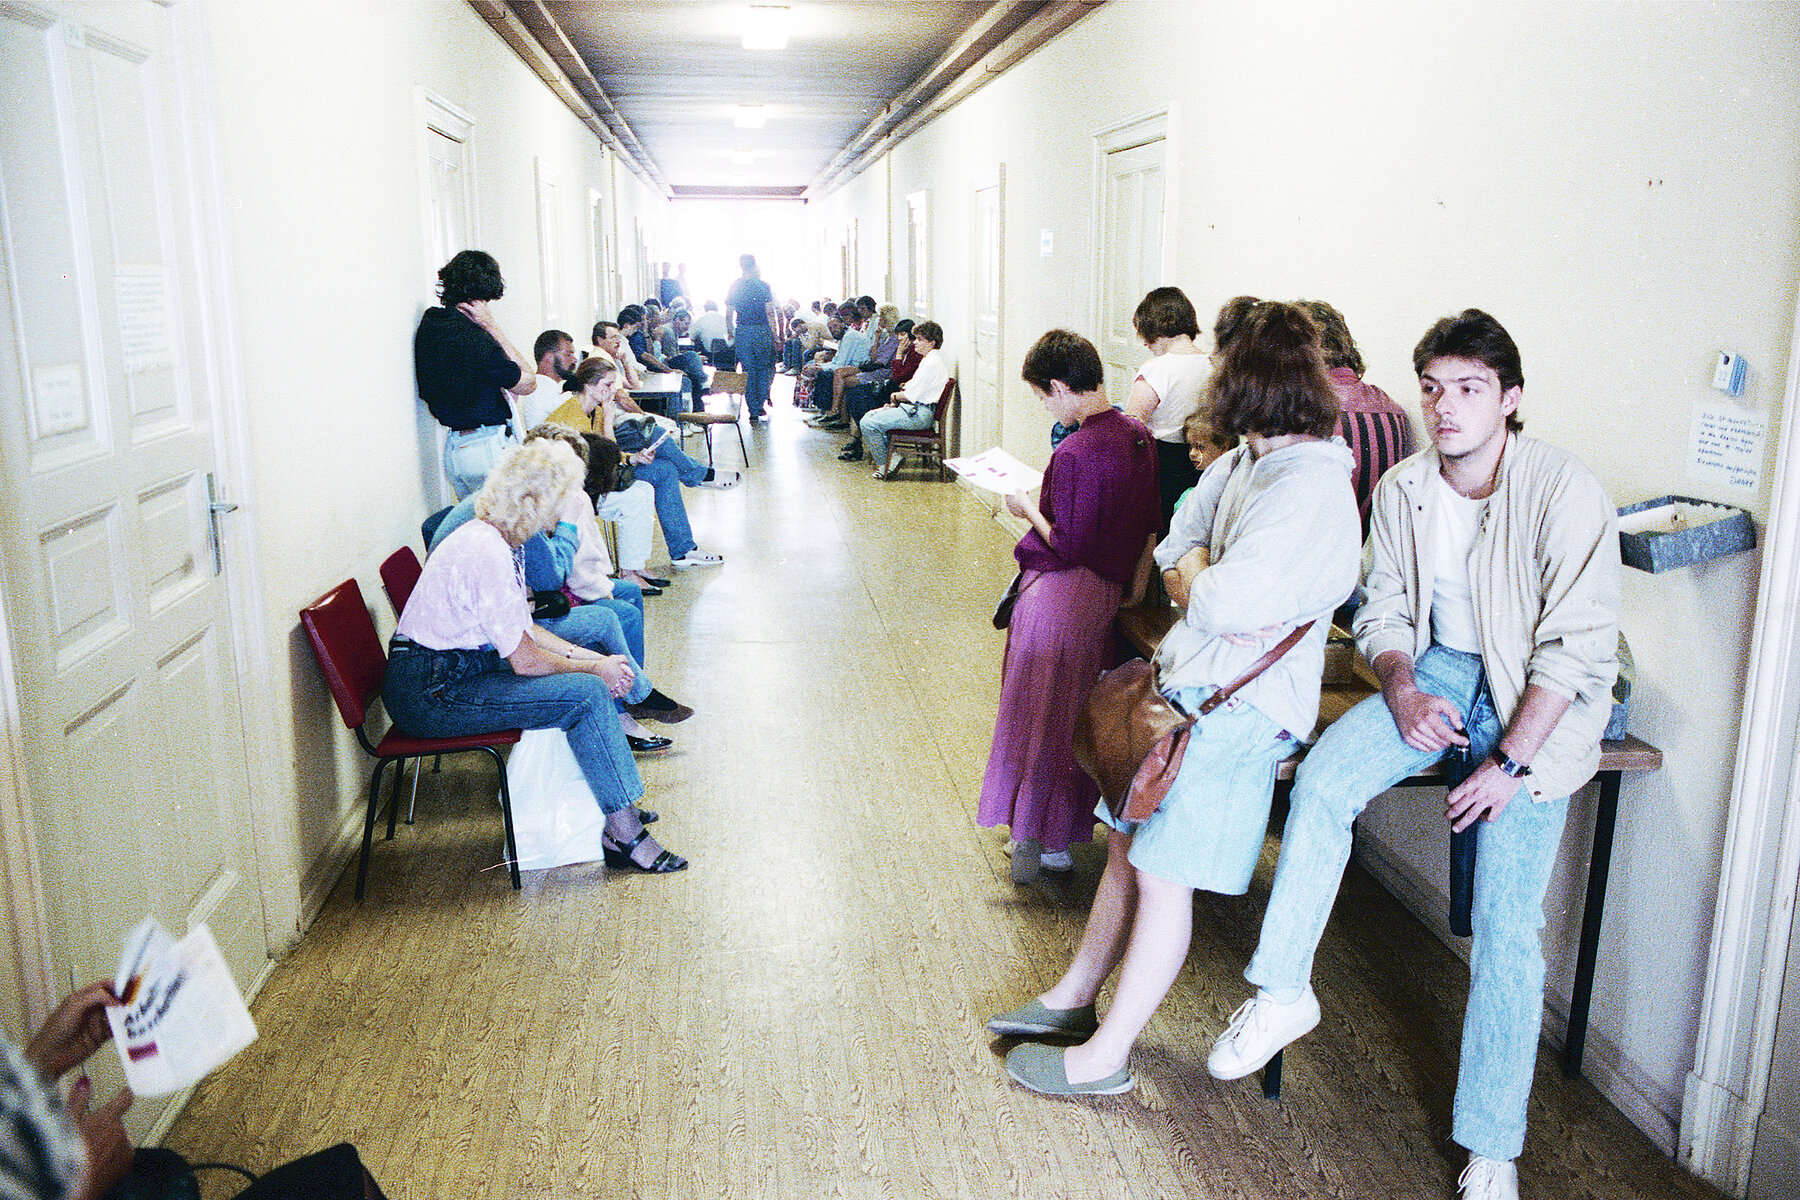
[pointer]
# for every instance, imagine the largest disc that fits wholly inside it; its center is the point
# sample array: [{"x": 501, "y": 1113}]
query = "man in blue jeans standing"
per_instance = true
[
  {"x": 1492, "y": 621},
  {"x": 752, "y": 324}
]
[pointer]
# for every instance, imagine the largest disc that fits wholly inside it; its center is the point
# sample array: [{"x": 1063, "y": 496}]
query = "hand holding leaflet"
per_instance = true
[
  {"x": 181, "y": 1014},
  {"x": 996, "y": 471}
]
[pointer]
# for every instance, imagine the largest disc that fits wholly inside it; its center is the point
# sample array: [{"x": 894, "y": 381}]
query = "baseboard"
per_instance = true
[
  {"x": 327, "y": 867},
  {"x": 1616, "y": 1077}
]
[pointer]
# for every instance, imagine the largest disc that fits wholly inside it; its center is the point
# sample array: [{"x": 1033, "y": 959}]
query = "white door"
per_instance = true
[
  {"x": 1131, "y": 224},
  {"x": 134, "y": 753},
  {"x": 1775, "y": 1155},
  {"x": 981, "y": 419}
]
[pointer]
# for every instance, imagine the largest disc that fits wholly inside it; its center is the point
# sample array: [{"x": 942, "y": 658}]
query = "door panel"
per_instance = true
[
  {"x": 1131, "y": 214},
  {"x": 135, "y": 761}
]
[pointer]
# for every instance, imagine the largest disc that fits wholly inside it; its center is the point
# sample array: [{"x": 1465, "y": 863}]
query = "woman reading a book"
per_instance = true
[
  {"x": 1266, "y": 542},
  {"x": 1097, "y": 511}
]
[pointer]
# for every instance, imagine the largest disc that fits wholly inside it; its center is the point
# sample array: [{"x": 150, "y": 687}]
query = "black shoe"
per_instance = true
[
  {"x": 651, "y": 581},
  {"x": 619, "y": 858},
  {"x": 647, "y": 745},
  {"x": 646, "y": 589},
  {"x": 658, "y": 707},
  {"x": 648, "y": 816},
  {"x": 852, "y": 453}
]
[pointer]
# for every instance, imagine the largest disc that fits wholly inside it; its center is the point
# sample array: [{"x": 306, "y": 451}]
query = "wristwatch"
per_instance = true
[{"x": 1516, "y": 770}]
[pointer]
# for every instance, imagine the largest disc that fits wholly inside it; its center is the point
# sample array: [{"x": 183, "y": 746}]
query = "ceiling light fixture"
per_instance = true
[
  {"x": 766, "y": 27},
  {"x": 748, "y": 116}
]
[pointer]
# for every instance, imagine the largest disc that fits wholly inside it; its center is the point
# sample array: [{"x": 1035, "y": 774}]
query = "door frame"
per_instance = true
[{"x": 1759, "y": 872}]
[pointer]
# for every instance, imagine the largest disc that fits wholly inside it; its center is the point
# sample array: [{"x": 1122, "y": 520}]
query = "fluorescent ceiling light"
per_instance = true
[
  {"x": 766, "y": 27},
  {"x": 748, "y": 116},
  {"x": 743, "y": 158}
]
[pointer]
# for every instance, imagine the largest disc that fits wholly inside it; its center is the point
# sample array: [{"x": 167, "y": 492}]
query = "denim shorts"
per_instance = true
[{"x": 1209, "y": 831}]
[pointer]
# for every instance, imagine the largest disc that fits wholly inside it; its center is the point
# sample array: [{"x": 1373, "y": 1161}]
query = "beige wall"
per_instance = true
[
  {"x": 320, "y": 136},
  {"x": 1619, "y": 184}
]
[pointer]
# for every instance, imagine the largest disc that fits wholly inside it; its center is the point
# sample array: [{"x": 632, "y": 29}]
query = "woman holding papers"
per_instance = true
[
  {"x": 467, "y": 658},
  {"x": 916, "y": 405},
  {"x": 1259, "y": 555},
  {"x": 1097, "y": 510}
]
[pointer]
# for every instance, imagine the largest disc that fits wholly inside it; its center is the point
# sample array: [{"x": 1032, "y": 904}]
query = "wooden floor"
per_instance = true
[{"x": 800, "y": 1013}]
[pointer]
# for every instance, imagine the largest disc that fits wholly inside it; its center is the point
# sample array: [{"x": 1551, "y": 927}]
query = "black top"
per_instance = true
[
  {"x": 748, "y": 296},
  {"x": 462, "y": 372}
]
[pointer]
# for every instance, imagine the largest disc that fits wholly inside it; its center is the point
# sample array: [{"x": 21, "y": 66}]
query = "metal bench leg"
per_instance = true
[
  {"x": 1271, "y": 1077},
  {"x": 1599, "y": 863}
]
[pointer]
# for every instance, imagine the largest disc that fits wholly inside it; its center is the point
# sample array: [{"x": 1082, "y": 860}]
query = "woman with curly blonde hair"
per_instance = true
[{"x": 467, "y": 658}]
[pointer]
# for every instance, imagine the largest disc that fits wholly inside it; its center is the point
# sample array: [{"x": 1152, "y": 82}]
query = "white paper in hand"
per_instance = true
[
  {"x": 997, "y": 471},
  {"x": 183, "y": 1014}
]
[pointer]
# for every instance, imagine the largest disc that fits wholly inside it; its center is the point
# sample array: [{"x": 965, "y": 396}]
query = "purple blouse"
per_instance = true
[{"x": 1100, "y": 498}]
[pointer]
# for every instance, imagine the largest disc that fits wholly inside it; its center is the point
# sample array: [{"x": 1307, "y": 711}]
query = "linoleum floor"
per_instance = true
[{"x": 800, "y": 1013}]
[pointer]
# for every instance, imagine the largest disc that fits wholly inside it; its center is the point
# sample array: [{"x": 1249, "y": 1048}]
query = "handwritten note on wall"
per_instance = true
[{"x": 1725, "y": 444}]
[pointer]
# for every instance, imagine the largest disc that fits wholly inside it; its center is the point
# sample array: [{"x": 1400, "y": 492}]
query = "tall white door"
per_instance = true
[
  {"x": 134, "y": 748},
  {"x": 1131, "y": 232},
  {"x": 981, "y": 420}
]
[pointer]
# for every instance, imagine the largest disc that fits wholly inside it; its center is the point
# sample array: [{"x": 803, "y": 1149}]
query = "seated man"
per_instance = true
[
  {"x": 853, "y": 350},
  {"x": 709, "y": 335},
  {"x": 916, "y": 406},
  {"x": 633, "y": 322},
  {"x": 1492, "y": 620}
]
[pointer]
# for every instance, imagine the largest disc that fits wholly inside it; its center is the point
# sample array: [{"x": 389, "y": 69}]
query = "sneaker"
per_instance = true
[
  {"x": 1489, "y": 1179},
  {"x": 1258, "y": 1030},
  {"x": 880, "y": 473},
  {"x": 720, "y": 479},
  {"x": 697, "y": 558},
  {"x": 840, "y": 421}
]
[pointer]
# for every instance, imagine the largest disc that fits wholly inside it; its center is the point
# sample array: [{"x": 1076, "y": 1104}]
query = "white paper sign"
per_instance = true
[
  {"x": 997, "y": 471},
  {"x": 1725, "y": 444},
  {"x": 58, "y": 400},
  {"x": 182, "y": 1014},
  {"x": 143, "y": 292}
]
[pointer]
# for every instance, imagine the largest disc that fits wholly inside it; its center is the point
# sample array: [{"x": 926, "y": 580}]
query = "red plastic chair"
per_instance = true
[
  {"x": 354, "y": 663},
  {"x": 927, "y": 442},
  {"x": 399, "y": 575}
]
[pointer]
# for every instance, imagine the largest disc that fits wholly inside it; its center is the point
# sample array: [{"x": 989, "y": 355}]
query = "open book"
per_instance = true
[{"x": 996, "y": 471}]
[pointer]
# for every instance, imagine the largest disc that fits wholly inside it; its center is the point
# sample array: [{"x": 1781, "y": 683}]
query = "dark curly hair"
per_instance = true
[
  {"x": 471, "y": 275},
  {"x": 1472, "y": 334},
  {"x": 1165, "y": 312},
  {"x": 1230, "y": 320},
  {"x": 1062, "y": 355},
  {"x": 1270, "y": 379}
]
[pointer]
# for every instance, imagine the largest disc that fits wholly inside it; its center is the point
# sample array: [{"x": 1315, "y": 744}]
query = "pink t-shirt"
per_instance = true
[
  {"x": 470, "y": 595},
  {"x": 590, "y": 573}
]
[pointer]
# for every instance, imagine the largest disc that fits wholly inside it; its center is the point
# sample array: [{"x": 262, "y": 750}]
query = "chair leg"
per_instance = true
[
  {"x": 1271, "y": 1078},
  {"x": 512, "y": 848},
  {"x": 362, "y": 866},
  {"x": 394, "y": 801},
  {"x": 412, "y": 803},
  {"x": 743, "y": 447}
]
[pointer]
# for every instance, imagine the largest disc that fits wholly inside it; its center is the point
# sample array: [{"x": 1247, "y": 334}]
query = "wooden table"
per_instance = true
[{"x": 1347, "y": 682}]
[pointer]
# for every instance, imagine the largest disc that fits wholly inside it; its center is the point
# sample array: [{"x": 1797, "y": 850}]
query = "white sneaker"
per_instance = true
[
  {"x": 697, "y": 558},
  {"x": 1258, "y": 1031},
  {"x": 1057, "y": 860},
  {"x": 1489, "y": 1179},
  {"x": 721, "y": 480}
]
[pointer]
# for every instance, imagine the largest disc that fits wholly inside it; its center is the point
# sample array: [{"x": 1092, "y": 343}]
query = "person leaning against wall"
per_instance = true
[
  {"x": 467, "y": 370},
  {"x": 1492, "y": 620},
  {"x": 1167, "y": 388},
  {"x": 1098, "y": 508}
]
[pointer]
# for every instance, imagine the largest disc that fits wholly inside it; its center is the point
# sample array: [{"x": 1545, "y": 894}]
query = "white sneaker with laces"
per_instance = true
[
  {"x": 1489, "y": 1179},
  {"x": 1258, "y": 1030},
  {"x": 721, "y": 480},
  {"x": 697, "y": 558}
]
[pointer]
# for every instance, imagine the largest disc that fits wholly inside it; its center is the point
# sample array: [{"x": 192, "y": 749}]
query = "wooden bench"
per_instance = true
[{"x": 1347, "y": 682}]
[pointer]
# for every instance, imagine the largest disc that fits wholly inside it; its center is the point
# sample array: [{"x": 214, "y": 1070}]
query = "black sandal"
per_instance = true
[{"x": 619, "y": 857}]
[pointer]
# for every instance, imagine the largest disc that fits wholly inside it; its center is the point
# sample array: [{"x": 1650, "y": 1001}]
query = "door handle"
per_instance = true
[{"x": 215, "y": 507}]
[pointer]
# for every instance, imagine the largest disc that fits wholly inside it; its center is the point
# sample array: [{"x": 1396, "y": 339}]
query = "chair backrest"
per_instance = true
[
  {"x": 399, "y": 573},
  {"x": 730, "y": 383},
  {"x": 430, "y": 524},
  {"x": 349, "y": 653},
  {"x": 943, "y": 405}
]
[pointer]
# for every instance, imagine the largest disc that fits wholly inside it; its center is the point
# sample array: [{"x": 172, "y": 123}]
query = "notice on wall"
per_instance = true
[
  {"x": 58, "y": 400},
  {"x": 1725, "y": 445},
  {"x": 144, "y": 333}
]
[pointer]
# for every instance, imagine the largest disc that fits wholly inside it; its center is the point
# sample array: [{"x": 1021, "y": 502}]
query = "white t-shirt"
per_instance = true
[
  {"x": 536, "y": 408},
  {"x": 708, "y": 328},
  {"x": 1452, "y": 600},
  {"x": 1176, "y": 379}
]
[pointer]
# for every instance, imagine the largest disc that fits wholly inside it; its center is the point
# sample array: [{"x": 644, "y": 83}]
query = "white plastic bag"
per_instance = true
[{"x": 556, "y": 820}]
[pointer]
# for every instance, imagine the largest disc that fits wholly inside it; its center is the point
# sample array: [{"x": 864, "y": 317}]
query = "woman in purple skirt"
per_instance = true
[{"x": 1099, "y": 509}]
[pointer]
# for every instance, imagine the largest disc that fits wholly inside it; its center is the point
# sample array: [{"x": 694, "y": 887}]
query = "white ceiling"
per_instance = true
[{"x": 674, "y": 70}]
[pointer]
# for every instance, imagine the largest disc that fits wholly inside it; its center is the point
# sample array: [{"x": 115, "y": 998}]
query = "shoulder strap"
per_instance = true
[{"x": 1257, "y": 668}]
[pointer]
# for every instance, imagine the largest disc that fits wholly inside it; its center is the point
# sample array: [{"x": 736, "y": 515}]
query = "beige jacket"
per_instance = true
[{"x": 1546, "y": 582}]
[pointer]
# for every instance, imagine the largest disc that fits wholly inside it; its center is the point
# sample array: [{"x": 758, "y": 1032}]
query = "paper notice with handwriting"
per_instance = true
[
  {"x": 183, "y": 1014},
  {"x": 997, "y": 471}
]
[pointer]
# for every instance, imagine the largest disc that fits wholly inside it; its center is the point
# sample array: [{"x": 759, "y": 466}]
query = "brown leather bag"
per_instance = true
[{"x": 1131, "y": 738}]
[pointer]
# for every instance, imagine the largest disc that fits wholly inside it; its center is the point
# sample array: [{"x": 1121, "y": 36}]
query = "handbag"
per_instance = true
[
  {"x": 1003, "y": 610},
  {"x": 633, "y": 433},
  {"x": 1131, "y": 738}
]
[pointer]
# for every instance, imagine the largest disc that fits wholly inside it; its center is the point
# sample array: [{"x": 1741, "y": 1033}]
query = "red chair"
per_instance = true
[
  {"x": 399, "y": 575},
  {"x": 354, "y": 663},
  {"x": 927, "y": 442}
]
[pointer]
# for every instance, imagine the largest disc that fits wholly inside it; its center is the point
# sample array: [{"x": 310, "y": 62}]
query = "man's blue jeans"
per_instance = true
[
  {"x": 468, "y": 457},
  {"x": 689, "y": 364},
  {"x": 452, "y": 693},
  {"x": 1360, "y": 756},
  {"x": 665, "y": 474},
  {"x": 756, "y": 353}
]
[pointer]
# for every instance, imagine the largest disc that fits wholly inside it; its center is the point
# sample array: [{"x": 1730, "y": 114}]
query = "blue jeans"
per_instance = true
[
  {"x": 665, "y": 474},
  {"x": 468, "y": 457},
  {"x": 1360, "y": 756},
  {"x": 882, "y": 421},
  {"x": 598, "y": 627},
  {"x": 689, "y": 364},
  {"x": 454, "y": 693},
  {"x": 756, "y": 354}
]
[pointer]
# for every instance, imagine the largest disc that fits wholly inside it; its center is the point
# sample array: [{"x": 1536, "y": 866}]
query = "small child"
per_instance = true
[{"x": 1203, "y": 444}]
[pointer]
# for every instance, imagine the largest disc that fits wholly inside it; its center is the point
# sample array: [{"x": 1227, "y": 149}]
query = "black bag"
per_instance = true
[{"x": 633, "y": 433}]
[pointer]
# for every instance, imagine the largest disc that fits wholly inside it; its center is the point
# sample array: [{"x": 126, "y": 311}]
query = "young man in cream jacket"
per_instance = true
[{"x": 1492, "y": 620}]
